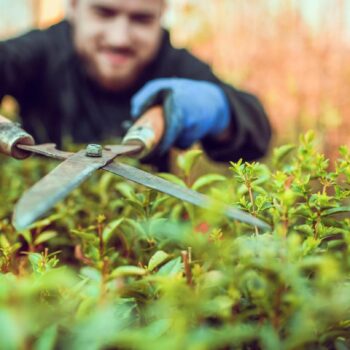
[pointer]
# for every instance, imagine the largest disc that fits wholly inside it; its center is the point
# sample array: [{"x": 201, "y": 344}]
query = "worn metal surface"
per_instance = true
[
  {"x": 59, "y": 182},
  {"x": 131, "y": 149},
  {"x": 94, "y": 150},
  {"x": 143, "y": 135},
  {"x": 185, "y": 194},
  {"x": 77, "y": 167},
  {"x": 48, "y": 150},
  {"x": 10, "y": 135}
]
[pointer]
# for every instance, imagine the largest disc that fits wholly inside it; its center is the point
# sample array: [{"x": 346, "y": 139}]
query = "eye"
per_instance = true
[
  {"x": 143, "y": 18},
  {"x": 103, "y": 12}
]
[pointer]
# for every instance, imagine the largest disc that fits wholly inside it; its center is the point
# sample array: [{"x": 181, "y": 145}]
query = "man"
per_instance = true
[{"x": 91, "y": 77}]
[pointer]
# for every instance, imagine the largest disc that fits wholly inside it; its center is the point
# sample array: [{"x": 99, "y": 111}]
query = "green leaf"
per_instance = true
[
  {"x": 337, "y": 210},
  {"x": 305, "y": 229},
  {"x": 87, "y": 305},
  {"x": 282, "y": 152},
  {"x": 46, "y": 221},
  {"x": 128, "y": 271},
  {"x": 88, "y": 237},
  {"x": 310, "y": 244},
  {"x": 308, "y": 137},
  {"x": 172, "y": 268},
  {"x": 137, "y": 206},
  {"x": 105, "y": 180},
  {"x": 137, "y": 227},
  {"x": 157, "y": 259},
  {"x": 177, "y": 212},
  {"x": 207, "y": 180},
  {"x": 27, "y": 236},
  {"x": 263, "y": 174},
  {"x": 187, "y": 160},
  {"x": 35, "y": 259},
  {"x": 126, "y": 190},
  {"x": 44, "y": 237},
  {"x": 47, "y": 339},
  {"x": 103, "y": 186},
  {"x": 91, "y": 273},
  {"x": 15, "y": 247},
  {"x": 159, "y": 202},
  {"x": 172, "y": 178},
  {"x": 4, "y": 243},
  {"x": 110, "y": 229},
  {"x": 152, "y": 196},
  {"x": 11, "y": 332},
  {"x": 333, "y": 237}
]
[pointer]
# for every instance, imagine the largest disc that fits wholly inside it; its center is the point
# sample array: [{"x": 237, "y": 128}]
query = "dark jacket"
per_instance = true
[{"x": 57, "y": 100}]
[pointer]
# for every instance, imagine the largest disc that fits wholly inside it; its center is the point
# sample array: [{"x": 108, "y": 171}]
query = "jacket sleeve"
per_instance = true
[
  {"x": 250, "y": 128},
  {"x": 22, "y": 62}
]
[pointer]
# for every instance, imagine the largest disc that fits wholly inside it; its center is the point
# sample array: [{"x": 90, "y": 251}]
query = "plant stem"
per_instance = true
[
  {"x": 253, "y": 204},
  {"x": 316, "y": 223},
  {"x": 276, "y": 321},
  {"x": 79, "y": 255},
  {"x": 104, "y": 272},
  {"x": 188, "y": 272},
  {"x": 285, "y": 223},
  {"x": 100, "y": 236}
]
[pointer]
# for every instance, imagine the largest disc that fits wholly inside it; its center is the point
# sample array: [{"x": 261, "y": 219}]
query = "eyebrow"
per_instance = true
[
  {"x": 137, "y": 13},
  {"x": 143, "y": 14},
  {"x": 104, "y": 8}
]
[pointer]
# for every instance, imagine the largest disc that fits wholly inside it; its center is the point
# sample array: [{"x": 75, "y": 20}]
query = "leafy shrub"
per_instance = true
[{"x": 118, "y": 266}]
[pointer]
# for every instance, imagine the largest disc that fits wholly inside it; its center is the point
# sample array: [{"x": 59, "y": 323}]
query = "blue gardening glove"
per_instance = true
[{"x": 193, "y": 109}]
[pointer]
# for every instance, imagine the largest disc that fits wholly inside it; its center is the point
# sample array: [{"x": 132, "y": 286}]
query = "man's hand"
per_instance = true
[
  {"x": 192, "y": 110},
  {"x": 12, "y": 134}
]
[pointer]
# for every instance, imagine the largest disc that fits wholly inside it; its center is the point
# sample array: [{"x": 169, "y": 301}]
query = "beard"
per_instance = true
[{"x": 103, "y": 68}]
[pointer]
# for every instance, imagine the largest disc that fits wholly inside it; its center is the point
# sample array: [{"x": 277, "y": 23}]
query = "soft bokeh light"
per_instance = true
[{"x": 293, "y": 54}]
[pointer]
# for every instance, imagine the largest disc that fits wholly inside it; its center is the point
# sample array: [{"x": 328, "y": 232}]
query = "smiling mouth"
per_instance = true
[{"x": 118, "y": 57}]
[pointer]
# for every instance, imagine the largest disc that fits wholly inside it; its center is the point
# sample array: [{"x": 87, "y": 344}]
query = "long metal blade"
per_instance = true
[
  {"x": 53, "y": 187},
  {"x": 185, "y": 194},
  {"x": 61, "y": 181},
  {"x": 77, "y": 167},
  {"x": 47, "y": 150}
]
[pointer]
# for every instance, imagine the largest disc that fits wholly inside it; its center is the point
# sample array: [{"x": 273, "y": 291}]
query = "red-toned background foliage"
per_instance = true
[{"x": 299, "y": 70}]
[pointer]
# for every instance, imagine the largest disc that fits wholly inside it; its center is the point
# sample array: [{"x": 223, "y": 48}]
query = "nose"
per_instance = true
[{"x": 118, "y": 32}]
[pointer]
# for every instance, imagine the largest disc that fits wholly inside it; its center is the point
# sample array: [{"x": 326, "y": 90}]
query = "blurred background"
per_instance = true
[{"x": 294, "y": 54}]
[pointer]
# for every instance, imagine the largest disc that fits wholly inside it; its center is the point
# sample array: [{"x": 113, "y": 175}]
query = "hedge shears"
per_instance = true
[{"x": 77, "y": 167}]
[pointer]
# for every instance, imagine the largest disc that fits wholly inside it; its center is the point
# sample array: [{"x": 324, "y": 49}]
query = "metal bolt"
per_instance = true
[{"x": 93, "y": 150}]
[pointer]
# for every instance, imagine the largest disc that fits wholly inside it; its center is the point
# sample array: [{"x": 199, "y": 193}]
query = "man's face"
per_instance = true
[{"x": 116, "y": 39}]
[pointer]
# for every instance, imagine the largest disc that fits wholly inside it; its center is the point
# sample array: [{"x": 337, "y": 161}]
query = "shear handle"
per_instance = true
[{"x": 11, "y": 134}]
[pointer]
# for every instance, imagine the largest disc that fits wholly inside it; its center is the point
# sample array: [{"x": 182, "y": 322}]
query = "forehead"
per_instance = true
[{"x": 127, "y": 5}]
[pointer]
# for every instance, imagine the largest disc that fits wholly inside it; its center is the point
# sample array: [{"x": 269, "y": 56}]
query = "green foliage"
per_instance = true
[{"x": 119, "y": 266}]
